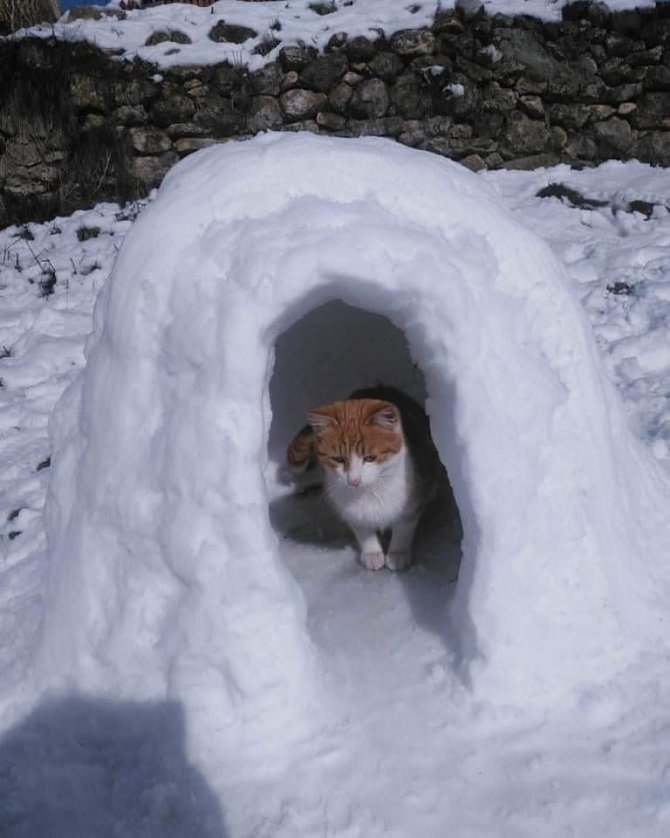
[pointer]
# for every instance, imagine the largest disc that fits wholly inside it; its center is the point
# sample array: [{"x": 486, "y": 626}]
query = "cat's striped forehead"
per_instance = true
[{"x": 356, "y": 426}]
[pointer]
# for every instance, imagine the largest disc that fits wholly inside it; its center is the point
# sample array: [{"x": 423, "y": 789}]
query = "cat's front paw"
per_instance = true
[
  {"x": 373, "y": 561},
  {"x": 398, "y": 561}
]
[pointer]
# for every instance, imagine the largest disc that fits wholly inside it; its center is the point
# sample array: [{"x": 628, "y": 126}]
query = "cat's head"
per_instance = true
[{"x": 356, "y": 440}]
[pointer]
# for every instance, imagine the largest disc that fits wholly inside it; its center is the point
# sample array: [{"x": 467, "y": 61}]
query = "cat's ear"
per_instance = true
[
  {"x": 320, "y": 418},
  {"x": 386, "y": 417}
]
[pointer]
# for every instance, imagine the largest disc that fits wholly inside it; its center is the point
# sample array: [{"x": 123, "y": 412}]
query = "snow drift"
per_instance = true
[{"x": 165, "y": 575}]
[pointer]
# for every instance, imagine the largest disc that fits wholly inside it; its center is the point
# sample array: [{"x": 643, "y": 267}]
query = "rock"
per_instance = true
[
  {"x": 581, "y": 147},
  {"x": 497, "y": 99},
  {"x": 175, "y": 107},
  {"x": 161, "y": 36},
  {"x": 524, "y": 136},
  {"x": 370, "y": 100},
  {"x": 410, "y": 98},
  {"x": 330, "y": 121},
  {"x": 296, "y": 57},
  {"x": 337, "y": 42},
  {"x": 130, "y": 115},
  {"x": 361, "y": 49},
  {"x": 323, "y": 73},
  {"x": 301, "y": 104},
  {"x": 473, "y": 162},
  {"x": 221, "y": 116},
  {"x": 229, "y": 80},
  {"x": 658, "y": 78},
  {"x": 524, "y": 54},
  {"x": 146, "y": 140},
  {"x": 185, "y": 129},
  {"x": 150, "y": 171},
  {"x": 533, "y": 106},
  {"x": 613, "y": 135},
  {"x": 653, "y": 111},
  {"x": 389, "y": 126},
  {"x": 653, "y": 148},
  {"x": 187, "y": 145},
  {"x": 414, "y": 133},
  {"x": 230, "y": 33},
  {"x": 386, "y": 65},
  {"x": 411, "y": 43},
  {"x": 573, "y": 117},
  {"x": 265, "y": 114},
  {"x": 533, "y": 161},
  {"x": 339, "y": 98},
  {"x": 290, "y": 80},
  {"x": 267, "y": 81}
]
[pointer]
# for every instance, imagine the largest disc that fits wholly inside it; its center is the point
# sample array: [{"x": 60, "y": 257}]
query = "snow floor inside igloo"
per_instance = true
[{"x": 331, "y": 351}]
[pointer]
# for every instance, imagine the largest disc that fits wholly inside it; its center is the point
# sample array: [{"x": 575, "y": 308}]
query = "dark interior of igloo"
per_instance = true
[{"x": 329, "y": 352}]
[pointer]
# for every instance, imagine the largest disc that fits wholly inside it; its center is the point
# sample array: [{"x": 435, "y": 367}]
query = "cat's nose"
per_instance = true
[{"x": 354, "y": 481}]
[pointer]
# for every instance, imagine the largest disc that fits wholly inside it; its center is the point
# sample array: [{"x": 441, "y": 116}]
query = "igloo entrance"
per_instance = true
[{"x": 331, "y": 351}]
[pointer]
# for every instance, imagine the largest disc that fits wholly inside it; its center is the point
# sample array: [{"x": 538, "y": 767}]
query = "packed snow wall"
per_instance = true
[{"x": 165, "y": 572}]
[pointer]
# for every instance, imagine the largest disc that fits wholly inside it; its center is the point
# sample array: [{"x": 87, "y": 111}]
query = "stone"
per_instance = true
[
  {"x": 658, "y": 78},
  {"x": 267, "y": 81},
  {"x": 581, "y": 147},
  {"x": 133, "y": 92},
  {"x": 229, "y": 80},
  {"x": 330, "y": 121},
  {"x": 613, "y": 135},
  {"x": 533, "y": 106},
  {"x": 653, "y": 111},
  {"x": 130, "y": 115},
  {"x": 524, "y": 136},
  {"x": 622, "y": 93},
  {"x": 289, "y": 80},
  {"x": 221, "y": 116},
  {"x": 147, "y": 140},
  {"x": 533, "y": 161},
  {"x": 626, "y": 108},
  {"x": 497, "y": 99},
  {"x": 414, "y": 133},
  {"x": 296, "y": 57},
  {"x": 185, "y": 129},
  {"x": 339, "y": 98},
  {"x": 654, "y": 147},
  {"x": 411, "y": 100},
  {"x": 323, "y": 73},
  {"x": 370, "y": 100},
  {"x": 175, "y": 107},
  {"x": 524, "y": 54},
  {"x": 411, "y": 43},
  {"x": 473, "y": 162},
  {"x": 187, "y": 145},
  {"x": 352, "y": 79},
  {"x": 150, "y": 171},
  {"x": 301, "y": 104},
  {"x": 265, "y": 114},
  {"x": 558, "y": 138},
  {"x": 572, "y": 117},
  {"x": 361, "y": 49},
  {"x": 230, "y": 33},
  {"x": 161, "y": 36},
  {"x": 389, "y": 126},
  {"x": 337, "y": 42},
  {"x": 386, "y": 65}
]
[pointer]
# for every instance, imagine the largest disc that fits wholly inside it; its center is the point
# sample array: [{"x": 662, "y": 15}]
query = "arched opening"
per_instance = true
[{"x": 332, "y": 350}]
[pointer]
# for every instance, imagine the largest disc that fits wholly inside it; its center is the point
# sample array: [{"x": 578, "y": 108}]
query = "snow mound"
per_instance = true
[{"x": 165, "y": 577}]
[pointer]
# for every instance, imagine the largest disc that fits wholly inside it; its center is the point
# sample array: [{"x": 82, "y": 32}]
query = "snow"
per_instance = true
[
  {"x": 257, "y": 679},
  {"x": 288, "y": 23}
]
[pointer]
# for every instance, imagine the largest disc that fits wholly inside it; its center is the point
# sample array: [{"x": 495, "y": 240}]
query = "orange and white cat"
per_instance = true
[{"x": 380, "y": 468}]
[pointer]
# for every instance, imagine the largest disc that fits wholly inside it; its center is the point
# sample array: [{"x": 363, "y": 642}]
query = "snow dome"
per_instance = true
[{"x": 165, "y": 573}]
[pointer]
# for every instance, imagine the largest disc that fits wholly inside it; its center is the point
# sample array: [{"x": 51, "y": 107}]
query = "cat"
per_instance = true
[{"x": 381, "y": 468}]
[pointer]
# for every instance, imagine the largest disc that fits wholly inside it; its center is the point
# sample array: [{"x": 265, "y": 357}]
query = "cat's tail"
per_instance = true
[{"x": 300, "y": 454}]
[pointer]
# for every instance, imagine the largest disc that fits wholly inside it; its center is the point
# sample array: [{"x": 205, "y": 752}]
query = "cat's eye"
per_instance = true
[
  {"x": 338, "y": 459},
  {"x": 370, "y": 458}
]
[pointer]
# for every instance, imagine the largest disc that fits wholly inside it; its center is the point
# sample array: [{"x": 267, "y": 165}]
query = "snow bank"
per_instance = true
[{"x": 165, "y": 575}]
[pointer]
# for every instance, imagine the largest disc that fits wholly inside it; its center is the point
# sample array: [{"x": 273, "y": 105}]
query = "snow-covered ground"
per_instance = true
[
  {"x": 410, "y": 758},
  {"x": 276, "y": 24}
]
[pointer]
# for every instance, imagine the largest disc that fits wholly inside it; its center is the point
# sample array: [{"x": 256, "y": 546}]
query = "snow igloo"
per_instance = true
[{"x": 165, "y": 575}]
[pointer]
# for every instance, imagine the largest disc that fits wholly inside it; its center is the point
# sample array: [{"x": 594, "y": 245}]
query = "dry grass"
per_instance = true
[{"x": 15, "y": 14}]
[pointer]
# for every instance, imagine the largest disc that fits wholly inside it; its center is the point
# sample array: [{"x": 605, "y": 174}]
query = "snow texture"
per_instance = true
[
  {"x": 279, "y": 23},
  {"x": 165, "y": 577}
]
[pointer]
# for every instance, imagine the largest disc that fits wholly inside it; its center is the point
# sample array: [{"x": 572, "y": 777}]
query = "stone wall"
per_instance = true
[{"x": 78, "y": 126}]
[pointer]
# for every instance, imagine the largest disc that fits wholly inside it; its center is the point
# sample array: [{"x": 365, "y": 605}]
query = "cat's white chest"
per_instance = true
[{"x": 382, "y": 502}]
